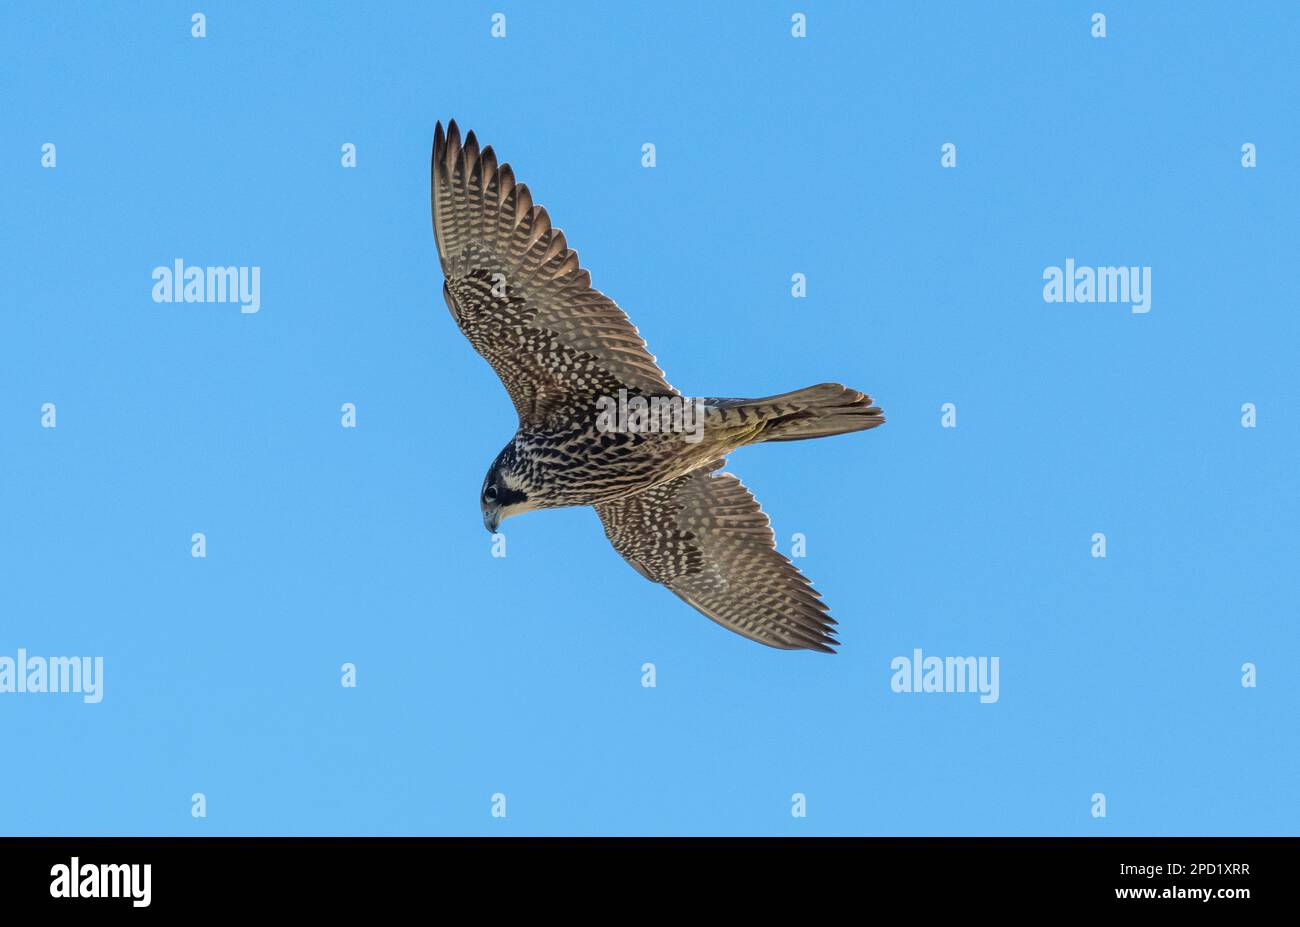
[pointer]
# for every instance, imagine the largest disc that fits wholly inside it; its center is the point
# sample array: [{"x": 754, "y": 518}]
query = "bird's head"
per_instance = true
[{"x": 504, "y": 493}]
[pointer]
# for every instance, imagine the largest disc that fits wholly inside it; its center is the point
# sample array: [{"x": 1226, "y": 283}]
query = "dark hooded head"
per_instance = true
[{"x": 503, "y": 494}]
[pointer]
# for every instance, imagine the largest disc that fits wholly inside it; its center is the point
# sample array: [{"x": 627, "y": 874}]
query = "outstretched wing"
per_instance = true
[
  {"x": 704, "y": 536},
  {"x": 518, "y": 293}
]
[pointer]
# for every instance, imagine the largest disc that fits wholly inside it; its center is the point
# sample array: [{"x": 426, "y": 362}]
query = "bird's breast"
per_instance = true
[{"x": 590, "y": 467}]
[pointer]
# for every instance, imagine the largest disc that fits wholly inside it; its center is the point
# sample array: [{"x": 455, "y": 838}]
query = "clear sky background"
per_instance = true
[{"x": 522, "y": 675}]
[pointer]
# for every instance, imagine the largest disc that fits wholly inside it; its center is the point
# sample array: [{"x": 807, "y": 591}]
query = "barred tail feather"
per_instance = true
[{"x": 814, "y": 412}]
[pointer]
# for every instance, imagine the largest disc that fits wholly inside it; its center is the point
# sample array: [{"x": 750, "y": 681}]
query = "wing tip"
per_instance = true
[
  {"x": 442, "y": 140},
  {"x": 823, "y": 643},
  {"x": 826, "y": 644}
]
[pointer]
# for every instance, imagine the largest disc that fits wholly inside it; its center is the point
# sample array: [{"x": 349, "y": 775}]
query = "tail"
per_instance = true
[{"x": 814, "y": 412}]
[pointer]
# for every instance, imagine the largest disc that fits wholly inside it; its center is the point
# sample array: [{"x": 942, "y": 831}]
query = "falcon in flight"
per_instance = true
[{"x": 564, "y": 351}]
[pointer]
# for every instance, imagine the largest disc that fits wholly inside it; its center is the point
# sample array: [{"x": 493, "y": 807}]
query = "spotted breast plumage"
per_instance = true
[{"x": 572, "y": 364}]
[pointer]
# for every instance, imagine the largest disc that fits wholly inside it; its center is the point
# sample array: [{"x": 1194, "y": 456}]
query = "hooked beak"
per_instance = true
[{"x": 491, "y": 518}]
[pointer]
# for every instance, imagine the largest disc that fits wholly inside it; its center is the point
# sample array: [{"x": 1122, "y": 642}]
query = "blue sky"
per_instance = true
[{"x": 522, "y": 675}]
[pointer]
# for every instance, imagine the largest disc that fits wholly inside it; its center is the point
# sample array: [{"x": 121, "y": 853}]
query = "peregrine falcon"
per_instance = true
[{"x": 568, "y": 356}]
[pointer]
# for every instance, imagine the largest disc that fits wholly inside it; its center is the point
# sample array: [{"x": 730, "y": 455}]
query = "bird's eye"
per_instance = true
[{"x": 490, "y": 494}]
